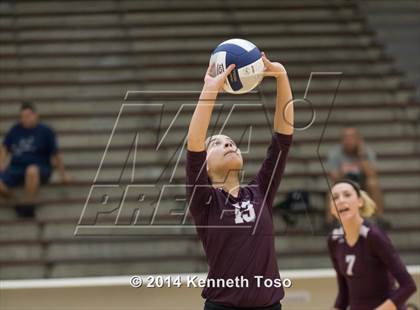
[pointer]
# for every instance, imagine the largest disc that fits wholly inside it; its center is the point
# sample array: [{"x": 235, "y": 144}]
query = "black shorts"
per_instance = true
[
  {"x": 15, "y": 175},
  {"x": 209, "y": 305}
]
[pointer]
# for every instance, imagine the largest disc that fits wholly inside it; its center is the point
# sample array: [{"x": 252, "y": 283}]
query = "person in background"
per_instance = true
[
  {"x": 213, "y": 186},
  {"x": 33, "y": 149},
  {"x": 353, "y": 159},
  {"x": 366, "y": 263}
]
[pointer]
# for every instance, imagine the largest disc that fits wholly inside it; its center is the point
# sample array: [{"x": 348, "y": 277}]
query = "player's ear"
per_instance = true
[{"x": 360, "y": 202}]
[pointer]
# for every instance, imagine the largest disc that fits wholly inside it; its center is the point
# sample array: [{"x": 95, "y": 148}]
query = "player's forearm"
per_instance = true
[
  {"x": 201, "y": 119},
  {"x": 284, "y": 115}
]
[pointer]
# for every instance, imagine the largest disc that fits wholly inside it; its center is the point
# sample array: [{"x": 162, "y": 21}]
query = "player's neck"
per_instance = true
[
  {"x": 230, "y": 184},
  {"x": 352, "y": 230}
]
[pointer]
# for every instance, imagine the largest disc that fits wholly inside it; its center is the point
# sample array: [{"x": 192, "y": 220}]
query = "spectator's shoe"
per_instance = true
[
  {"x": 383, "y": 223},
  {"x": 26, "y": 210}
]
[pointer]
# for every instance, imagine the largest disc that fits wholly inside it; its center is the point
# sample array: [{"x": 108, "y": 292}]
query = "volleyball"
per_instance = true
[{"x": 249, "y": 69}]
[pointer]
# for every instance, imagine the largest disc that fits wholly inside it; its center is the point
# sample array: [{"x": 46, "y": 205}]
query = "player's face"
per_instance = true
[
  {"x": 223, "y": 155},
  {"x": 345, "y": 203},
  {"x": 350, "y": 140},
  {"x": 28, "y": 118}
]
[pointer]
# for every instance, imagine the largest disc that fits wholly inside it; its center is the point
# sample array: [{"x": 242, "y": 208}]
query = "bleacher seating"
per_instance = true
[
  {"x": 397, "y": 23},
  {"x": 77, "y": 60}
]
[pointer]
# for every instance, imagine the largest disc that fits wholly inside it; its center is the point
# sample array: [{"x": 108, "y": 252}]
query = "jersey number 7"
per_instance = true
[{"x": 350, "y": 259}]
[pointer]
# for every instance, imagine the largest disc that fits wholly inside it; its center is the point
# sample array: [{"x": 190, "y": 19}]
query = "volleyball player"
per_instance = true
[
  {"x": 365, "y": 261},
  {"x": 216, "y": 198}
]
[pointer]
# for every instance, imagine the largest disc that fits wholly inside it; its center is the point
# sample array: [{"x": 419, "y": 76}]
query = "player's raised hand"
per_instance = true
[
  {"x": 275, "y": 69},
  {"x": 214, "y": 81}
]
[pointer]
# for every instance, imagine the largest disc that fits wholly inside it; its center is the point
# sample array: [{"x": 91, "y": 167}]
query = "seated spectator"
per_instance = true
[
  {"x": 33, "y": 149},
  {"x": 354, "y": 160}
]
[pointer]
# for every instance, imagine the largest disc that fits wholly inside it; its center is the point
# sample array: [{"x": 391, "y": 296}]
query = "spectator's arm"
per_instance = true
[
  {"x": 3, "y": 157},
  {"x": 333, "y": 164},
  {"x": 57, "y": 162},
  {"x": 367, "y": 160},
  {"x": 367, "y": 167}
]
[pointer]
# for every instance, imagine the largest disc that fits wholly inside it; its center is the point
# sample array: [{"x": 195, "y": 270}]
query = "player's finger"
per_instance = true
[
  {"x": 265, "y": 60},
  {"x": 229, "y": 69},
  {"x": 208, "y": 68}
]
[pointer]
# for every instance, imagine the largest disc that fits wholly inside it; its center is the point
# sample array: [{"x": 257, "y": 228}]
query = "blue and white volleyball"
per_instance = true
[{"x": 249, "y": 69}]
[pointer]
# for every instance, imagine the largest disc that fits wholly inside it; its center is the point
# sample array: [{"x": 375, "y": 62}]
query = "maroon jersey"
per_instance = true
[
  {"x": 242, "y": 244},
  {"x": 366, "y": 272}
]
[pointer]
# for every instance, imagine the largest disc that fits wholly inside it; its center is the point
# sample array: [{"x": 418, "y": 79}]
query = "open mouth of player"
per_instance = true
[
  {"x": 230, "y": 152},
  {"x": 341, "y": 211}
]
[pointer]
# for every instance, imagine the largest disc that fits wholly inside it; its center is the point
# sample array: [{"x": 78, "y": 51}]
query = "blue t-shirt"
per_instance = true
[{"x": 31, "y": 146}]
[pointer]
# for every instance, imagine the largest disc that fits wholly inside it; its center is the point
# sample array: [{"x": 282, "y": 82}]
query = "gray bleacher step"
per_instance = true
[
  {"x": 70, "y": 210},
  {"x": 405, "y": 240},
  {"x": 6, "y": 213},
  {"x": 112, "y": 175},
  {"x": 63, "y": 6},
  {"x": 29, "y": 231},
  {"x": 381, "y": 147},
  {"x": 154, "y": 174},
  {"x": 22, "y": 272},
  {"x": 121, "y": 250},
  {"x": 381, "y": 165},
  {"x": 319, "y": 183},
  {"x": 149, "y": 143},
  {"x": 305, "y": 51},
  {"x": 52, "y": 21},
  {"x": 405, "y": 200},
  {"x": 100, "y": 229},
  {"x": 73, "y": 211},
  {"x": 169, "y": 108},
  {"x": 115, "y": 73},
  {"x": 410, "y": 258},
  {"x": 156, "y": 18},
  {"x": 119, "y": 92},
  {"x": 406, "y": 181},
  {"x": 411, "y": 19},
  {"x": 21, "y": 252},
  {"x": 76, "y": 61},
  {"x": 99, "y": 6},
  {"x": 226, "y": 30},
  {"x": 404, "y": 219},
  {"x": 238, "y": 16},
  {"x": 305, "y": 262},
  {"x": 258, "y": 39},
  {"x": 117, "y": 160},
  {"x": 104, "y": 123},
  {"x": 52, "y": 231},
  {"x": 289, "y": 243},
  {"x": 60, "y": 270}
]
